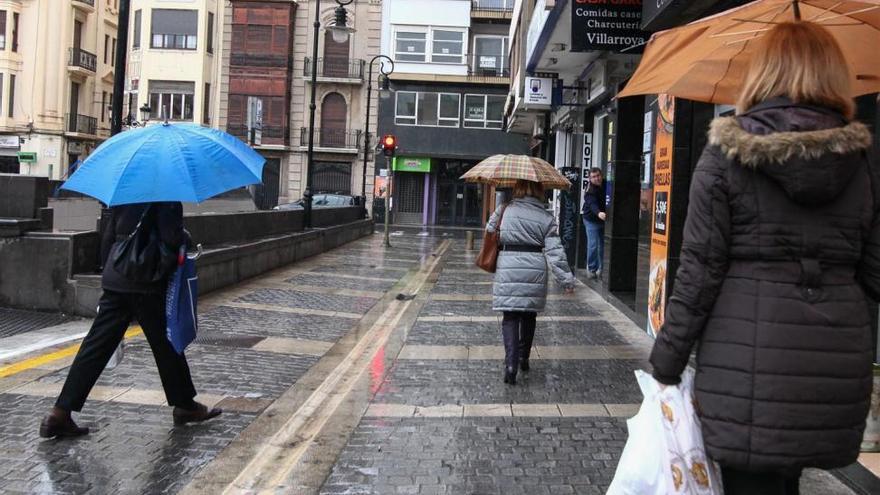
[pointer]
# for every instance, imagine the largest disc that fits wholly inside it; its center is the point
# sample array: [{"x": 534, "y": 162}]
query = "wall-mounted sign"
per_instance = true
[
  {"x": 410, "y": 164},
  {"x": 10, "y": 142},
  {"x": 654, "y": 8},
  {"x": 27, "y": 157},
  {"x": 539, "y": 91},
  {"x": 658, "y": 278},
  {"x": 608, "y": 25}
]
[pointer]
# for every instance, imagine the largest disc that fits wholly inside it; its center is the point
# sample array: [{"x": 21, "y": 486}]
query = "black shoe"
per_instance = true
[
  {"x": 53, "y": 426},
  {"x": 200, "y": 413},
  {"x": 510, "y": 376},
  {"x": 524, "y": 364}
]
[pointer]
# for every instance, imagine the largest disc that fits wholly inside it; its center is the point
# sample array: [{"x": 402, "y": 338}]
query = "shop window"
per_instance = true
[
  {"x": 428, "y": 109},
  {"x": 172, "y": 100},
  {"x": 174, "y": 29},
  {"x": 483, "y": 111}
]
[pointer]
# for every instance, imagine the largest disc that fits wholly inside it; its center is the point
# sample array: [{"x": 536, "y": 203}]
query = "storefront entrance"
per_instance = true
[{"x": 458, "y": 203}]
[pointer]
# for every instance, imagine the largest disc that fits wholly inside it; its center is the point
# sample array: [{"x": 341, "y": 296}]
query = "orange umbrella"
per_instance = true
[{"x": 707, "y": 60}]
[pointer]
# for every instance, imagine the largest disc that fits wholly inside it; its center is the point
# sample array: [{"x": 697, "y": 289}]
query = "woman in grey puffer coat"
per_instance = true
[{"x": 529, "y": 240}]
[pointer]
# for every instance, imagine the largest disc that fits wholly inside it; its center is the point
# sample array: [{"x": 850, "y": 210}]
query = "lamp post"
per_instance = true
[
  {"x": 340, "y": 32},
  {"x": 383, "y": 88}
]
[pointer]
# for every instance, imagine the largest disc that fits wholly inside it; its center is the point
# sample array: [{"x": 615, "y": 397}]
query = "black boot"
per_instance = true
[
  {"x": 510, "y": 375},
  {"x": 526, "y": 337},
  {"x": 59, "y": 424},
  {"x": 510, "y": 333}
]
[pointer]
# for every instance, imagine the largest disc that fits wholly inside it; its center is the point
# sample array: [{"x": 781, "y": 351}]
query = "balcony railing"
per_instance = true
[
  {"x": 492, "y": 5},
  {"x": 83, "y": 59},
  {"x": 269, "y": 134},
  {"x": 488, "y": 66},
  {"x": 340, "y": 69},
  {"x": 90, "y": 3},
  {"x": 258, "y": 59},
  {"x": 331, "y": 138},
  {"x": 82, "y": 124}
]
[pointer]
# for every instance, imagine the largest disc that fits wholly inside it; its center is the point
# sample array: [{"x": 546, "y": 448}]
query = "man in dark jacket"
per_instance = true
[
  {"x": 594, "y": 222},
  {"x": 125, "y": 300}
]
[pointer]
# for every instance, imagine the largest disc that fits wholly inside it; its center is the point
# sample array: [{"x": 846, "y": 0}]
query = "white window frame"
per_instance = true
[
  {"x": 167, "y": 100},
  {"x": 505, "y": 51},
  {"x": 428, "y": 55},
  {"x": 412, "y": 29},
  {"x": 484, "y": 123},
  {"x": 415, "y": 117}
]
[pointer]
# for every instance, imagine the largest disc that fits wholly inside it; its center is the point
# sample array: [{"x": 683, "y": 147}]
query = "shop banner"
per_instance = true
[
  {"x": 658, "y": 281},
  {"x": 409, "y": 164},
  {"x": 609, "y": 25}
]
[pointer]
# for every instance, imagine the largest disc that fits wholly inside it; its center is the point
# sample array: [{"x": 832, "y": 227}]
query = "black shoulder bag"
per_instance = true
[{"x": 142, "y": 257}]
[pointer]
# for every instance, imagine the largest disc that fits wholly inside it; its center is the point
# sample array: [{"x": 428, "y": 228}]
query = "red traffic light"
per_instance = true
[{"x": 389, "y": 144}]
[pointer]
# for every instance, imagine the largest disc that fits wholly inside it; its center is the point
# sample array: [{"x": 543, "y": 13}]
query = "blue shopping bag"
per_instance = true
[{"x": 180, "y": 304}]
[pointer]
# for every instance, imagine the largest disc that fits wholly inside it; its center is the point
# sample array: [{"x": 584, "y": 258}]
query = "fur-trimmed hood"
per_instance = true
[{"x": 810, "y": 152}]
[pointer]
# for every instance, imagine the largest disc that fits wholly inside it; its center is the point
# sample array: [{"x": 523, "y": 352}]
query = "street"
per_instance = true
[{"x": 361, "y": 370}]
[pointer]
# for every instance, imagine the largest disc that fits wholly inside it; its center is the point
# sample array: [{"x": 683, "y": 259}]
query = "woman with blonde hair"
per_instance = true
[
  {"x": 781, "y": 247},
  {"x": 529, "y": 240}
]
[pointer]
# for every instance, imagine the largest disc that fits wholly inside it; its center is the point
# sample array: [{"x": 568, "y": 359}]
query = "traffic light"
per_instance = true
[{"x": 389, "y": 145}]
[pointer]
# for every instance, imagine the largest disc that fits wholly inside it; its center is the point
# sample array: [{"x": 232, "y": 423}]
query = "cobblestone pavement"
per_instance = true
[
  {"x": 16, "y": 321},
  {"x": 333, "y": 384}
]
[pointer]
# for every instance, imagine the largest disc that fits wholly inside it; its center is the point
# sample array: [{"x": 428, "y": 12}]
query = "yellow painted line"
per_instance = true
[{"x": 40, "y": 360}]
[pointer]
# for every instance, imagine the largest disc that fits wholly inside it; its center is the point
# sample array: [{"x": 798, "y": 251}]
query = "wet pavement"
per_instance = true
[{"x": 333, "y": 384}]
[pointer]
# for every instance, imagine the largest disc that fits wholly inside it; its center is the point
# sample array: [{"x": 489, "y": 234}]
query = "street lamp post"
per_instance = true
[
  {"x": 383, "y": 86},
  {"x": 340, "y": 32}
]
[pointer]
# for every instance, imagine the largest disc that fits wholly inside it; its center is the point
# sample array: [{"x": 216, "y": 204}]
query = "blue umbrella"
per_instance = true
[{"x": 166, "y": 162}]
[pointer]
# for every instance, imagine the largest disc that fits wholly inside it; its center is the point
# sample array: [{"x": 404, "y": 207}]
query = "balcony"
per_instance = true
[
  {"x": 81, "y": 62},
  {"x": 332, "y": 140},
  {"x": 87, "y": 6},
  {"x": 250, "y": 59},
  {"x": 338, "y": 71},
  {"x": 82, "y": 124},
  {"x": 269, "y": 135},
  {"x": 489, "y": 69},
  {"x": 492, "y": 9}
]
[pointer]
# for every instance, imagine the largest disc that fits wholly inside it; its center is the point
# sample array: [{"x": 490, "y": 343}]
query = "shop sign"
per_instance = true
[
  {"x": 607, "y": 25},
  {"x": 539, "y": 91},
  {"x": 663, "y": 149},
  {"x": 653, "y": 8},
  {"x": 488, "y": 62},
  {"x": 586, "y": 165},
  {"x": 75, "y": 147},
  {"x": 408, "y": 164},
  {"x": 27, "y": 157},
  {"x": 10, "y": 142}
]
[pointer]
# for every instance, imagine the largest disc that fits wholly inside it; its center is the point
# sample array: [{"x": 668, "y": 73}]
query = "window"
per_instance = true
[
  {"x": 428, "y": 109},
  {"x": 483, "y": 111},
  {"x": 1, "y": 91},
  {"x": 11, "y": 96},
  {"x": 174, "y": 28},
  {"x": 113, "y": 53},
  {"x": 2, "y": 29},
  {"x": 490, "y": 56},
  {"x": 206, "y": 105},
  {"x": 136, "y": 32},
  {"x": 446, "y": 45},
  {"x": 172, "y": 99},
  {"x": 410, "y": 46},
  {"x": 106, "y": 47},
  {"x": 15, "y": 31},
  {"x": 103, "y": 106},
  {"x": 210, "y": 36}
]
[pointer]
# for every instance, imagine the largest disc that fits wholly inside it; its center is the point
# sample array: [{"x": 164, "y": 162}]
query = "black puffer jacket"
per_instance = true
[{"x": 781, "y": 248}]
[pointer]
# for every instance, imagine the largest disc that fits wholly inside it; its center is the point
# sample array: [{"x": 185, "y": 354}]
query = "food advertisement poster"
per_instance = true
[{"x": 663, "y": 148}]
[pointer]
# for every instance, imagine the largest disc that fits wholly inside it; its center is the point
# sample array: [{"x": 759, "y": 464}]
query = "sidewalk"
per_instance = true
[{"x": 363, "y": 370}]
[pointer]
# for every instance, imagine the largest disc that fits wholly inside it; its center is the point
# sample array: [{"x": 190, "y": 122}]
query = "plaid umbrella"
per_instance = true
[{"x": 505, "y": 170}]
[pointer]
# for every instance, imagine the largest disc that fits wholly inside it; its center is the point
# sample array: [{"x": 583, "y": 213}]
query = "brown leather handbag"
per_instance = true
[{"x": 487, "y": 259}]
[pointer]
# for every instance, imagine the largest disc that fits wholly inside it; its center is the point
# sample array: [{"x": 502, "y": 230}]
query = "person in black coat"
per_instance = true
[
  {"x": 122, "y": 301},
  {"x": 594, "y": 222},
  {"x": 781, "y": 252}
]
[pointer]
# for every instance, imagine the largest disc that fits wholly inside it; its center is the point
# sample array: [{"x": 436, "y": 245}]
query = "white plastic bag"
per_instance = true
[
  {"x": 664, "y": 453},
  {"x": 117, "y": 356}
]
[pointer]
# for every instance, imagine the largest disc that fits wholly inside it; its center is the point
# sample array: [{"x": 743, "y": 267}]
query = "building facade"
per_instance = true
[
  {"x": 174, "y": 59},
  {"x": 266, "y": 93},
  {"x": 57, "y": 62},
  {"x": 450, "y": 85}
]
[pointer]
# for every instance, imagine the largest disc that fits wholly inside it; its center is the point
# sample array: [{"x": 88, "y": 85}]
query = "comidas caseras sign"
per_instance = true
[{"x": 608, "y": 25}]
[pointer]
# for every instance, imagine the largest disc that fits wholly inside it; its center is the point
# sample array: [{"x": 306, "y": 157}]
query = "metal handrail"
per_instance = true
[
  {"x": 84, "y": 59},
  {"x": 492, "y": 5},
  {"x": 344, "y": 69},
  {"x": 332, "y": 138}
]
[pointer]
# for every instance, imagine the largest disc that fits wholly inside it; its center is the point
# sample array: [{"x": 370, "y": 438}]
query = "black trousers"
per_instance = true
[
  {"x": 518, "y": 331},
  {"x": 738, "y": 482},
  {"x": 115, "y": 311}
]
